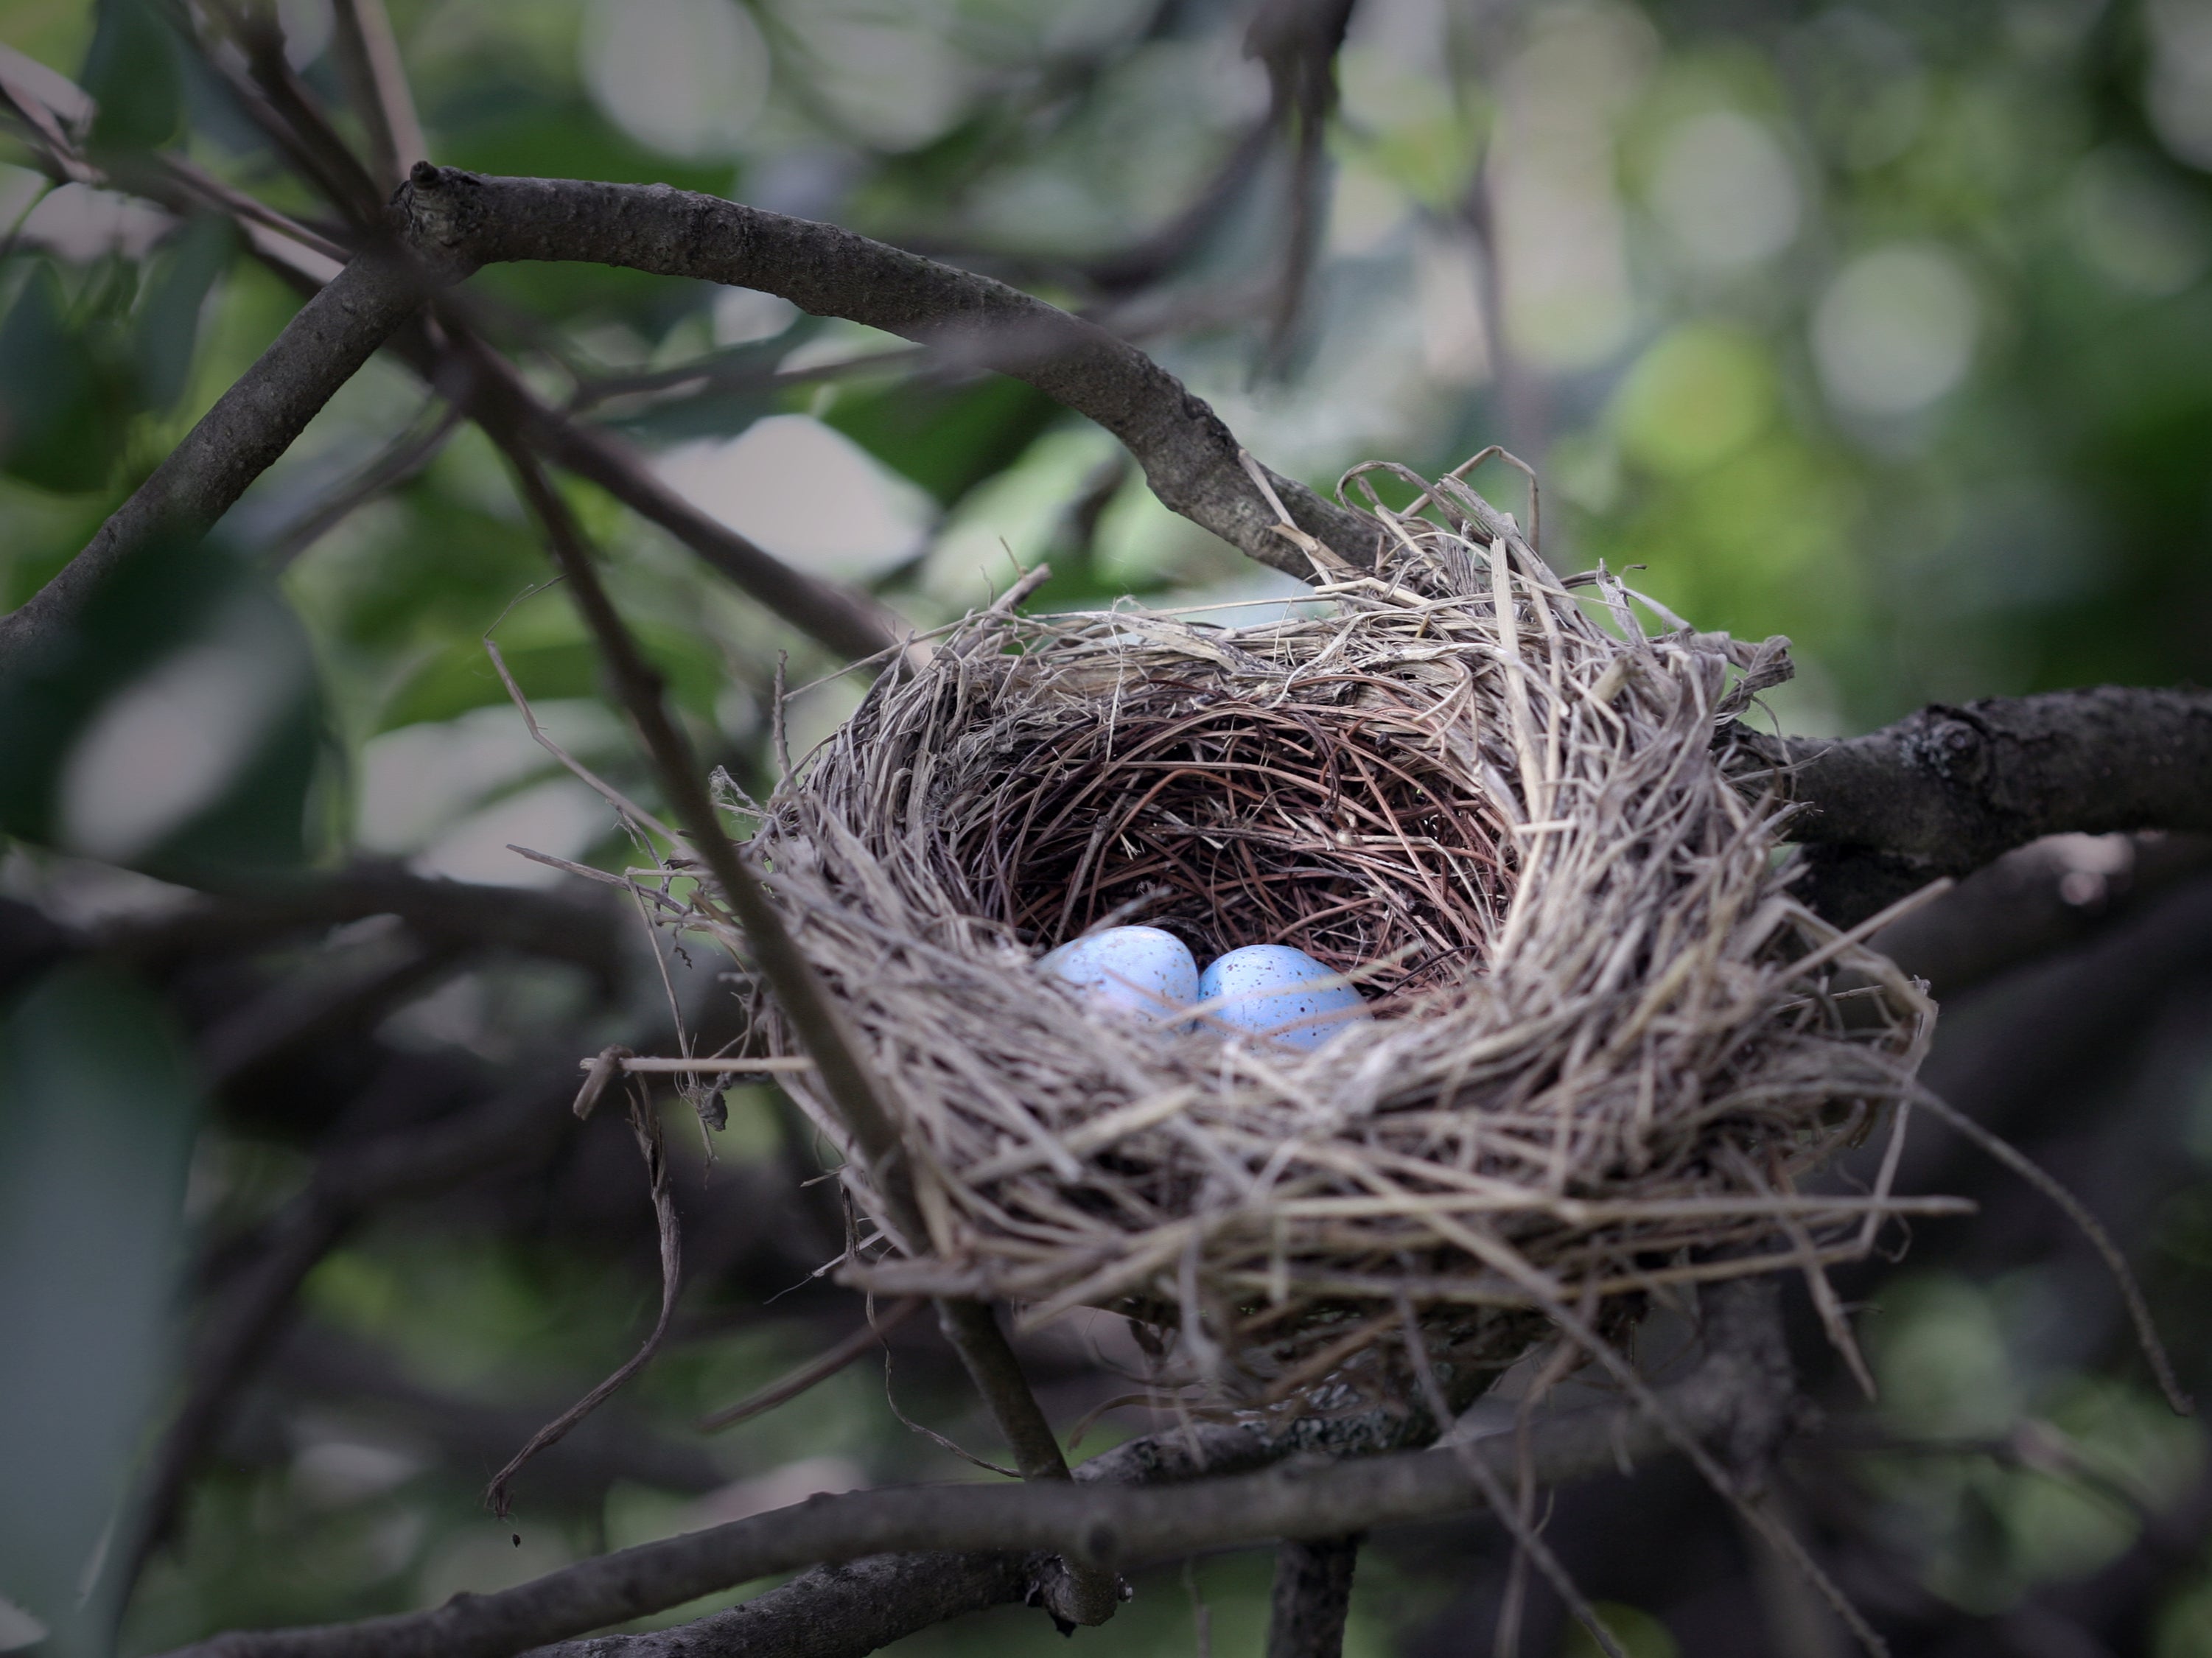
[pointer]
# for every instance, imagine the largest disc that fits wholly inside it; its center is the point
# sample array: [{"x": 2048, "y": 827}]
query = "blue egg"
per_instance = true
[
  {"x": 1282, "y": 994},
  {"x": 1131, "y": 971}
]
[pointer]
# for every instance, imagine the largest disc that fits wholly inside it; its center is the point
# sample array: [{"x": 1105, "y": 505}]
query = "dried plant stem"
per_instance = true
[
  {"x": 2146, "y": 1329},
  {"x": 815, "y": 1371},
  {"x": 644, "y": 1128}
]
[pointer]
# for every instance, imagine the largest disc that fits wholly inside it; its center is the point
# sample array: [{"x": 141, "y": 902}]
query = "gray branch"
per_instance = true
[
  {"x": 1947, "y": 790},
  {"x": 452, "y": 221},
  {"x": 849, "y": 1610},
  {"x": 1091, "y": 1522},
  {"x": 1189, "y": 456}
]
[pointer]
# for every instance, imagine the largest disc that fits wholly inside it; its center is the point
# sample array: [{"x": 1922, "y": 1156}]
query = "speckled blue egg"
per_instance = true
[
  {"x": 1282, "y": 993},
  {"x": 1132, "y": 971}
]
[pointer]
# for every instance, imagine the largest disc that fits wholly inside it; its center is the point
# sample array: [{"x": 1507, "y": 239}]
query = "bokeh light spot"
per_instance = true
[
  {"x": 1694, "y": 398},
  {"x": 1895, "y": 331}
]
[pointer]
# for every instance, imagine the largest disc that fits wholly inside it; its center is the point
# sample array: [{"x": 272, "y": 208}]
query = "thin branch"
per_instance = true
[
  {"x": 455, "y": 221},
  {"x": 376, "y": 85},
  {"x": 846, "y": 1611},
  {"x": 2046, "y": 896},
  {"x": 1189, "y": 456},
  {"x": 401, "y": 462},
  {"x": 271, "y": 96},
  {"x": 1298, "y": 41},
  {"x": 847, "y": 620},
  {"x": 637, "y": 686},
  {"x": 851, "y": 1088},
  {"x": 814, "y": 1372},
  {"x": 1089, "y": 1522},
  {"x": 645, "y": 1129},
  {"x": 433, "y": 908},
  {"x": 250, "y": 425}
]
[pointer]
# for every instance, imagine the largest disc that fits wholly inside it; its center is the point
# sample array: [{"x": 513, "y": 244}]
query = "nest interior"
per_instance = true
[
  {"x": 1323, "y": 819},
  {"x": 1611, "y": 1046}
]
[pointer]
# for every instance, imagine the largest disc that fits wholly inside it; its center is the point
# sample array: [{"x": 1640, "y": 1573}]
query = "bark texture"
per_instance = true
[{"x": 1947, "y": 790}]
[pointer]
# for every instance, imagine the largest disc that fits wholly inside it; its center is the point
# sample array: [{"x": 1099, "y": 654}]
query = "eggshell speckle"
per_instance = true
[
  {"x": 1271, "y": 990},
  {"x": 1132, "y": 971}
]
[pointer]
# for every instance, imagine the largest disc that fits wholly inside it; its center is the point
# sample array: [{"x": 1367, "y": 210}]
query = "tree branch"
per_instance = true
[
  {"x": 376, "y": 86},
  {"x": 852, "y": 1089},
  {"x": 1311, "y": 1597},
  {"x": 456, "y": 221},
  {"x": 2044, "y": 897},
  {"x": 842, "y": 618},
  {"x": 1087, "y": 1521},
  {"x": 1948, "y": 790},
  {"x": 1190, "y": 457},
  {"x": 461, "y": 913}
]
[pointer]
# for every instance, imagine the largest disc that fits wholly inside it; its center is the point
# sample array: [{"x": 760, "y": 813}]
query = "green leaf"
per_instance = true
[
  {"x": 946, "y": 440},
  {"x": 174, "y": 729},
  {"x": 61, "y": 418},
  {"x": 97, "y": 1113},
  {"x": 133, "y": 73},
  {"x": 168, "y": 322},
  {"x": 461, "y": 677}
]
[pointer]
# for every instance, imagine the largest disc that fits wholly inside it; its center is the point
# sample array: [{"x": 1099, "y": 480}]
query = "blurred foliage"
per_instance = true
[
  {"x": 97, "y": 1126},
  {"x": 1885, "y": 326}
]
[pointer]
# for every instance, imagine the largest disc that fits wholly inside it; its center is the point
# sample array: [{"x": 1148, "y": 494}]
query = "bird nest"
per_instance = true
[{"x": 1608, "y": 1044}]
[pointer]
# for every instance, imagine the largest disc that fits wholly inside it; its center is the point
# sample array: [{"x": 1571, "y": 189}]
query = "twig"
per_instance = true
[
  {"x": 408, "y": 455},
  {"x": 1529, "y": 1544},
  {"x": 376, "y": 85},
  {"x": 435, "y": 909},
  {"x": 764, "y": 1065},
  {"x": 253, "y": 423},
  {"x": 815, "y": 1371},
  {"x": 847, "y": 620},
  {"x": 2146, "y": 1328},
  {"x": 347, "y": 1183}
]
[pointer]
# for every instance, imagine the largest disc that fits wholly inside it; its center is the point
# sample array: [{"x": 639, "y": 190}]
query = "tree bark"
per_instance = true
[
  {"x": 1311, "y": 1597},
  {"x": 1947, "y": 790}
]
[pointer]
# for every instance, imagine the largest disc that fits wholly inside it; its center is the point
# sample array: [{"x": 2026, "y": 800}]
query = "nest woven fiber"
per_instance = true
[{"x": 1608, "y": 1045}]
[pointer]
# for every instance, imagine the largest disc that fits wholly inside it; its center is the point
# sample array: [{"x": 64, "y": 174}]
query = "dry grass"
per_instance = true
[{"x": 1611, "y": 1045}]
